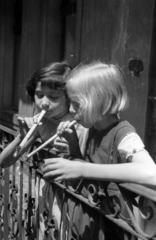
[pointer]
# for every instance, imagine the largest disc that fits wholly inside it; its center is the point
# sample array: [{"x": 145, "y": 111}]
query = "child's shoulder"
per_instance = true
[
  {"x": 116, "y": 132},
  {"x": 124, "y": 129},
  {"x": 125, "y": 123}
]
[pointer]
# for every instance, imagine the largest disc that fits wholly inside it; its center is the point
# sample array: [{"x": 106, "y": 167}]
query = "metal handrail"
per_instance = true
[{"x": 11, "y": 214}]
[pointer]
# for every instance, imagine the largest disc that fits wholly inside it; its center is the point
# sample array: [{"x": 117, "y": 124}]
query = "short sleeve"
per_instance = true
[{"x": 128, "y": 146}]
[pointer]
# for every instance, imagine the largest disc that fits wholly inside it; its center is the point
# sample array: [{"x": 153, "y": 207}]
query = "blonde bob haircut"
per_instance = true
[{"x": 98, "y": 89}]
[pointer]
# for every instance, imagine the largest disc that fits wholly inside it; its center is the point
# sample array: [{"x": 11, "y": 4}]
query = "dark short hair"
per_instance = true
[{"x": 53, "y": 76}]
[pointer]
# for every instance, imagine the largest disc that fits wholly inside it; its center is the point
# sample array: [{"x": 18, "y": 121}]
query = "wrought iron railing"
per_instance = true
[{"x": 19, "y": 194}]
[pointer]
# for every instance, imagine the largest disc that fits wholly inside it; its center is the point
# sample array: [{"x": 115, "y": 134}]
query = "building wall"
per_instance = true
[
  {"x": 112, "y": 31},
  {"x": 24, "y": 50},
  {"x": 6, "y": 52},
  {"x": 41, "y": 37},
  {"x": 119, "y": 31}
]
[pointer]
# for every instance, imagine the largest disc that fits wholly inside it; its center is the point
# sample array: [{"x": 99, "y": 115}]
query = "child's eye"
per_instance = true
[
  {"x": 53, "y": 97},
  {"x": 39, "y": 95}
]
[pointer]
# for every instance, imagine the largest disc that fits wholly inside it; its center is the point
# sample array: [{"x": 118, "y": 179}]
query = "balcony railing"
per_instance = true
[{"x": 19, "y": 194}]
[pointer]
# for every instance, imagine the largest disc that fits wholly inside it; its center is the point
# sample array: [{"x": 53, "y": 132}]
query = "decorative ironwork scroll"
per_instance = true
[{"x": 132, "y": 207}]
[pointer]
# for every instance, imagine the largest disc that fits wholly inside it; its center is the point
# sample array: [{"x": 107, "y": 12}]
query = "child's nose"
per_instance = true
[
  {"x": 45, "y": 103},
  {"x": 71, "y": 109}
]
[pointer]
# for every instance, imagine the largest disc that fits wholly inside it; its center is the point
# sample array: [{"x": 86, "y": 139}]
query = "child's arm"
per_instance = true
[
  {"x": 141, "y": 170},
  {"x": 7, "y": 157}
]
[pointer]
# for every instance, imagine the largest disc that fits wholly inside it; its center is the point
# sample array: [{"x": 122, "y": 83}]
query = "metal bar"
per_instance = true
[
  {"x": 121, "y": 223},
  {"x": 8, "y": 130},
  {"x": 1, "y": 204},
  {"x": 20, "y": 206},
  {"x": 140, "y": 189},
  {"x": 6, "y": 202}
]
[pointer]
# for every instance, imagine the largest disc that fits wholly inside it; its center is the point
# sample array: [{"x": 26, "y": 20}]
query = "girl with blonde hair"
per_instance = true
[{"x": 114, "y": 151}]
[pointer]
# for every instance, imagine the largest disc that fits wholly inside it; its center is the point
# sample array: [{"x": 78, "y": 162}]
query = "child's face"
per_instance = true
[
  {"x": 54, "y": 101},
  {"x": 79, "y": 116}
]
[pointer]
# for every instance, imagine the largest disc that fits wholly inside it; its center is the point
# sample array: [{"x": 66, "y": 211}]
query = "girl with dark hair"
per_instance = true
[{"x": 46, "y": 89}]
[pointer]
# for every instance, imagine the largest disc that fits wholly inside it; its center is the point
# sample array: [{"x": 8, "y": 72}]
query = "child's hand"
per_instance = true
[
  {"x": 58, "y": 169},
  {"x": 71, "y": 137},
  {"x": 23, "y": 127},
  {"x": 25, "y": 123},
  {"x": 61, "y": 145}
]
